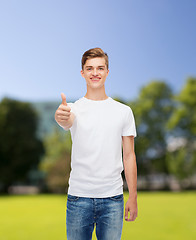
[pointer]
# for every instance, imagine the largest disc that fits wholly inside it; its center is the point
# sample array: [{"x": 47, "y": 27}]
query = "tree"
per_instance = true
[
  {"x": 181, "y": 163},
  {"x": 56, "y": 164},
  {"x": 152, "y": 110},
  {"x": 183, "y": 119},
  {"x": 182, "y": 160},
  {"x": 20, "y": 149}
]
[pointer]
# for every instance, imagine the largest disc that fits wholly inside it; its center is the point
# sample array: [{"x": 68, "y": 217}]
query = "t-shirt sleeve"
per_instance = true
[{"x": 129, "y": 128}]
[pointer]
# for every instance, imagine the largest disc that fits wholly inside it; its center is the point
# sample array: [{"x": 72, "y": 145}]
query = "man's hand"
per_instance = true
[
  {"x": 131, "y": 207},
  {"x": 62, "y": 115}
]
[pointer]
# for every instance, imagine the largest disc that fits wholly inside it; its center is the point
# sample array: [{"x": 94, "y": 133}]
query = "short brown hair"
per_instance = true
[{"x": 93, "y": 53}]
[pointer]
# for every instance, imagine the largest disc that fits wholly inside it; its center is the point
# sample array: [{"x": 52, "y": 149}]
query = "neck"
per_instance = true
[{"x": 96, "y": 94}]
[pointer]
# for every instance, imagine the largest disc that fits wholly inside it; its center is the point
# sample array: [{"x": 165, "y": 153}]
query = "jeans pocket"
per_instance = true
[
  {"x": 72, "y": 198},
  {"x": 117, "y": 198}
]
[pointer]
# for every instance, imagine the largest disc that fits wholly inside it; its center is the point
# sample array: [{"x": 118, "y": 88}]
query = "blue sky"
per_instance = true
[{"x": 42, "y": 42}]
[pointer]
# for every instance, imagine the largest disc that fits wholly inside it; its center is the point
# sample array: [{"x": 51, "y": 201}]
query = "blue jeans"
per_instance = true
[{"x": 83, "y": 214}]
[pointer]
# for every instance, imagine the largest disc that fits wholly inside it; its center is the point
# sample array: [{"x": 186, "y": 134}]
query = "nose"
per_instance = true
[{"x": 94, "y": 72}]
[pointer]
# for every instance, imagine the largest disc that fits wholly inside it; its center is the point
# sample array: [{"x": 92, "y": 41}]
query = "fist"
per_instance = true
[{"x": 63, "y": 113}]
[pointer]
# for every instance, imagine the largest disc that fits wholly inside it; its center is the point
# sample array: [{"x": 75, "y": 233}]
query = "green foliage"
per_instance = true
[
  {"x": 152, "y": 110},
  {"x": 181, "y": 163},
  {"x": 20, "y": 149},
  {"x": 183, "y": 118},
  {"x": 57, "y": 160}
]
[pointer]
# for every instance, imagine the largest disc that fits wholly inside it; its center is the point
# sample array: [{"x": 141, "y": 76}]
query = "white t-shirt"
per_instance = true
[{"x": 96, "y": 158}]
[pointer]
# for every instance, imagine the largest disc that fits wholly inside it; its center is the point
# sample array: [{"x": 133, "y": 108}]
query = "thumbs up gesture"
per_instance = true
[{"x": 63, "y": 114}]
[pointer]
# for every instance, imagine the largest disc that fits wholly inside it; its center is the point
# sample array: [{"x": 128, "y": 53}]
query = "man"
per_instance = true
[{"x": 100, "y": 127}]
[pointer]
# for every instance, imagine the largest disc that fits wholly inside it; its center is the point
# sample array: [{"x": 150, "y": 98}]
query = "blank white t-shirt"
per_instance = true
[{"x": 96, "y": 158}]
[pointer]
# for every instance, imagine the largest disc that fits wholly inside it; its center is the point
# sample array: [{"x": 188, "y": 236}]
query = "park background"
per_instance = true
[{"x": 152, "y": 56}]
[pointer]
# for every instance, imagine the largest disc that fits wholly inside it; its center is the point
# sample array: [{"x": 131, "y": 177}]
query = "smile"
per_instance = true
[{"x": 95, "y": 79}]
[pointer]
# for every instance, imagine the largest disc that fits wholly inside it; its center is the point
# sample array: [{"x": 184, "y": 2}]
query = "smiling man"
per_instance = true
[{"x": 100, "y": 127}]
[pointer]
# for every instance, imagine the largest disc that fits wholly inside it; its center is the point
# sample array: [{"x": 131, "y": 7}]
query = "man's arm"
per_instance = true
[{"x": 130, "y": 169}]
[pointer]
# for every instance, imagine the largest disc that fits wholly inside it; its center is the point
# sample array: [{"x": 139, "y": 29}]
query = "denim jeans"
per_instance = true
[{"x": 83, "y": 214}]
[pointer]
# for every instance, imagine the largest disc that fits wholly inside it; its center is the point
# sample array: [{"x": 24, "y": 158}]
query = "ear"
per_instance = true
[
  {"x": 82, "y": 73},
  {"x": 107, "y": 72}
]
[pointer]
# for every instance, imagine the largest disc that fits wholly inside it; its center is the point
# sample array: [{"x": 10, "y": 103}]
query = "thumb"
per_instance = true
[{"x": 63, "y": 99}]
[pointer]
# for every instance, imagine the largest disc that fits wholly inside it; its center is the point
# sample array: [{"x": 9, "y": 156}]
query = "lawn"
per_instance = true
[{"x": 161, "y": 216}]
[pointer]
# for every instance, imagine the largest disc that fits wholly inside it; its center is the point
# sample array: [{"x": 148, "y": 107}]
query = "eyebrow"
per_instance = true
[{"x": 92, "y": 66}]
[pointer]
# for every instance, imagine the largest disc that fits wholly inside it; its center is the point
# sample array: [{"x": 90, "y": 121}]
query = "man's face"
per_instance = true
[{"x": 95, "y": 72}]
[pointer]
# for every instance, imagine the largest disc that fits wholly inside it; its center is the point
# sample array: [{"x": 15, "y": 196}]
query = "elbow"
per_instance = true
[{"x": 129, "y": 157}]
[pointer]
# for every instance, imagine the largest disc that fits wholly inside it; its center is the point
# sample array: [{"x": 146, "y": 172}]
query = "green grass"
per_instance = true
[{"x": 161, "y": 216}]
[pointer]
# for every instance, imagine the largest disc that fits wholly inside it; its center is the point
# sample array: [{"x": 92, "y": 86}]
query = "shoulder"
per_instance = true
[{"x": 121, "y": 106}]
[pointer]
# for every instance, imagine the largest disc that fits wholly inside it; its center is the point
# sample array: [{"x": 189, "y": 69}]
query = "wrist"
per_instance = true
[{"x": 133, "y": 195}]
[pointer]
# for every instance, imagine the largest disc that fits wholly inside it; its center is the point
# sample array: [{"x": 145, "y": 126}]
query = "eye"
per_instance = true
[{"x": 101, "y": 68}]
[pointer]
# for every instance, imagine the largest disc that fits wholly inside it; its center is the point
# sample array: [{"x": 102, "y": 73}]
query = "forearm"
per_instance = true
[{"x": 130, "y": 169}]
